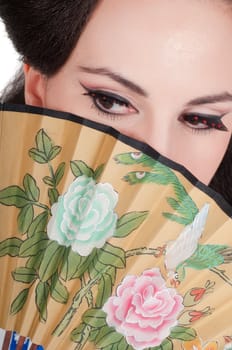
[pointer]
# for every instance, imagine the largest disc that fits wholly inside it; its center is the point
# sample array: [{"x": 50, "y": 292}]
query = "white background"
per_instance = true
[{"x": 9, "y": 59}]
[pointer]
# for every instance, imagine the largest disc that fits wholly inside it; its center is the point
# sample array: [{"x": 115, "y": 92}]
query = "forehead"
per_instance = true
[{"x": 168, "y": 36}]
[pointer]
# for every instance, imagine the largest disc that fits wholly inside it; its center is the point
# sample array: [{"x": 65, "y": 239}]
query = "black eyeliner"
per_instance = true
[
  {"x": 211, "y": 121},
  {"x": 105, "y": 93}
]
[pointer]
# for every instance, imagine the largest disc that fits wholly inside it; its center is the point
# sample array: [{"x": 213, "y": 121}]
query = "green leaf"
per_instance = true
[
  {"x": 39, "y": 224},
  {"x": 77, "y": 333},
  {"x": 64, "y": 267},
  {"x": 10, "y": 247},
  {"x": 124, "y": 345},
  {"x": 48, "y": 181},
  {"x": 107, "y": 336},
  {"x": 19, "y": 301},
  {"x": 96, "y": 318},
  {"x": 59, "y": 173},
  {"x": 129, "y": 222},
  {"x": 71, "y": 265},
  {"x": 79, "y": 168},
  {"x": 37, "y": 156},
  {"x": 44, "y": 143},
  {"x": 41, "y": 298},
  {"x": 104, "y": 290},
  {"x": 32, "y": 246},
  {"x": 31, "y": 188},
  {"x": 116, "y": 347},
  {"x": 110, "y": 255},
  {"x": 53, "y": 195},
  {"x": 24, "y": 275},
  {"x": 83, "y": 267},
  {"x": 93, "y": 335},
  {"x": 112, "y": 271},
  {"x": 13, "y": 196},
  {"x": 34, "y": 261},
  {"x": 58, "y": 291},
  {"x": 98, "y": 172},
  {"x": 95, "y": 267},
  {"x": 54, "y": 152},
  {"x": 51, "y": 260},
  {"x": 25, "y": 218},
  {"x": 111, "y": 347},
  {"x": 183, "y": 333},
  {"x": 167, "y": 344},
  {"x": 179, "y": 219}
]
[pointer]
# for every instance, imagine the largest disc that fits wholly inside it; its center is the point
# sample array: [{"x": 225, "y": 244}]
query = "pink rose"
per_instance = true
[{"x": 144, "y": 310}]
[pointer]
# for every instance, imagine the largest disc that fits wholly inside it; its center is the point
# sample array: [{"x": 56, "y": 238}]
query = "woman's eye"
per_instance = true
[
  {"x": 203, "y": 121},
  {"x": 110, "y": 103}
]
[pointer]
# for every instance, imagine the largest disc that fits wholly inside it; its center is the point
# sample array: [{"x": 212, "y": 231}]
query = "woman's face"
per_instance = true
[{"x": 159, "y": 71}]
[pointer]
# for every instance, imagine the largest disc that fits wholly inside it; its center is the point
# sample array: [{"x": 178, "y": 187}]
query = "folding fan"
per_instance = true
[{"x": 104, "y": 243}]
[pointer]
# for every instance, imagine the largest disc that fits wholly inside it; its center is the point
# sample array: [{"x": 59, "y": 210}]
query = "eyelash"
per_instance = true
[
  {"x": 208, "y": 122},
  {"x": 111, "y": 98}
]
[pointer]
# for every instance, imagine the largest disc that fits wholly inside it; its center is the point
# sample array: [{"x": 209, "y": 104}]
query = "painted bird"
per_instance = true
[
  {"x": 160, "y": 174},
  {"x": 186, "y": 252}
]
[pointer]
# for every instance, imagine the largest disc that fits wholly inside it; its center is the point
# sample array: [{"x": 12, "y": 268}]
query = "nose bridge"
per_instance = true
[{"x": 159, "y": 135}]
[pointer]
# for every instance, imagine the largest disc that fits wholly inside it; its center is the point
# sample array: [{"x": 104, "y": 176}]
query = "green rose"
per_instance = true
[{"x": 84, "y": 216}]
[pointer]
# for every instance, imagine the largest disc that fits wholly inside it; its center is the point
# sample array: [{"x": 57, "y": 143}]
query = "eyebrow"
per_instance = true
[
  {"x": 116, "y": 77},
  {"x": 223, "y": 97}
]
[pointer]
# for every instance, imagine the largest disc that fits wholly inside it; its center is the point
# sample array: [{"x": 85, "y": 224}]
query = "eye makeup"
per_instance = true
[
  {"x": 114, "y": 106},
  {"x": 204, "y": 121},
  {"x": 107, "y": 96},
  {"x": 109, "y": 103}
]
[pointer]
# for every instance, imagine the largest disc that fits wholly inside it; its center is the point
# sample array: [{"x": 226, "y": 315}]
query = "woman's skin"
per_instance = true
[{"x": 167, "y": 61}]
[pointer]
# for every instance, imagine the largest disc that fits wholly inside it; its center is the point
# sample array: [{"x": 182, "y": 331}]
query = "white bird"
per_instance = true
[{"x": 186, "y": 244}]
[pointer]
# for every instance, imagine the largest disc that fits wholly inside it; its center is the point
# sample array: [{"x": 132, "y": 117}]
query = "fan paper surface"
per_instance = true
[{"x": 104, "y": 244}]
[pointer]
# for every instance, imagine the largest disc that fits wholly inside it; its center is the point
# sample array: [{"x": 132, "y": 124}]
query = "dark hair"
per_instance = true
[
  {"x": 44, "y": 32},
  {"x": 222, "y": 180}
]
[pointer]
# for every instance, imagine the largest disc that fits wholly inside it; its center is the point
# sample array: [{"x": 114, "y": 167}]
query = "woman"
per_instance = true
[
  {"x": 148, "y": 69},
  {"x": 151, "y": 70}
]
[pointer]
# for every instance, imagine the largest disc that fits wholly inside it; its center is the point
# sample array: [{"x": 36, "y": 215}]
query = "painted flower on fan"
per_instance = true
[
  {"x": 197, "y": 344},
  {"x": 84, "y": 216},
  {"x": 144, "y": 309}
]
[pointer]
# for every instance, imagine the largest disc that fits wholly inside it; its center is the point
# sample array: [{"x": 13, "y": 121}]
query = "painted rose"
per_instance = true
[
  {"x": 84, "y": 216},
  {"x": 144, "y": 310}
]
